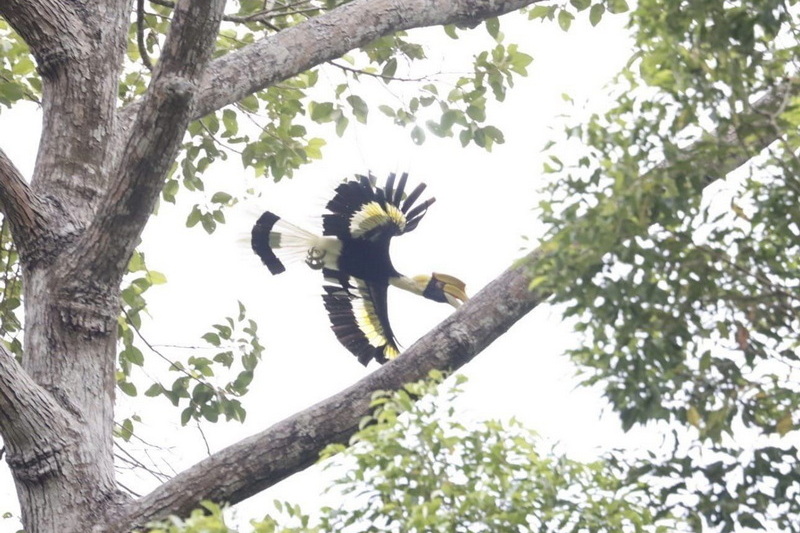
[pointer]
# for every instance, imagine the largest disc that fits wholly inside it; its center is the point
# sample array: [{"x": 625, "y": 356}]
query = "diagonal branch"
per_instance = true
[
  {"x": 24, "y": 210},
  {"x": 159, "y": 125},
  {"x": 323, "y": 38},
  {"x": 249, "y": 466}
]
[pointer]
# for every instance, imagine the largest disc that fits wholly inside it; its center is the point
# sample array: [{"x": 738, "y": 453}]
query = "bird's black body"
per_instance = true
[
  {"x": 353, "y": 254},
  {"x": 367, "y": 260}
]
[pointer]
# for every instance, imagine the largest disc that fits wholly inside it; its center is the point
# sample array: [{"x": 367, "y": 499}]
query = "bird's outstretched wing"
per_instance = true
[
  {"x": 364, "y": 218},
  {"x": 359, "y": 316},
  {"x": 360, "y": 210}
]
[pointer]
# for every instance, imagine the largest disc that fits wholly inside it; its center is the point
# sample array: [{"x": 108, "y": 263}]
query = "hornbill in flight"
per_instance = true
[{"x": 353, "y": 254}]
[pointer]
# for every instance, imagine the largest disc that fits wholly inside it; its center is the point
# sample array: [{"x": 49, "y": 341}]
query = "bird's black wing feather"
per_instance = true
[
  {"x": 359, "y": 316},
  {"x": 359, "y": 210}
]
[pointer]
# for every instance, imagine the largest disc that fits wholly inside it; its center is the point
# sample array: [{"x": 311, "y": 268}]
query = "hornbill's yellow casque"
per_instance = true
[{"x": 353, "y": 254}]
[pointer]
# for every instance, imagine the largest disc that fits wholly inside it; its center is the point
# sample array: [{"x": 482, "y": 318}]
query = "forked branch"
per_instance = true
[{"x": 159, "y": 126}]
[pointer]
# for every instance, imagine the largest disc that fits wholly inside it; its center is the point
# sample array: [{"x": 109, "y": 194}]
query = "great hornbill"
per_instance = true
[{"x": 353, "y": 254}]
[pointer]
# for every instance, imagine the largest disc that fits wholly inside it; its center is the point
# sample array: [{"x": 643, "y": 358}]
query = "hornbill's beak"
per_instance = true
[{"x": 454, "y": 289}]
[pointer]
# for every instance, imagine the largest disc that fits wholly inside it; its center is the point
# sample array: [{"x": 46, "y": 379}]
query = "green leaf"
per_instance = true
[
  {"x": 341, "y": 125},
  {"x": 580, "y": 5},
  {"x": 565, "y": 19},
  {"x": 450, "y": 30},
  {"x": 230, "y": 122},
  {"x": 321, "y": 111},
  {"x": 211, "y": 338},
  {"x": 314, "y": 147},
  {"x": 389, "y": 68},
  {"x": 418, "y": 135},
  {"x": 133, "y": 355},
  {"x": 194, "y": 217},
  {"x": 360, "y": 109},
  {"x": 617, "y": 6},
  {"x": 221, "y": 198},
  {"x": 541, "y": 12},
  {"x": 493, "y": 27},
  {"x": 156, "y": 278},
  {"x": 126, "y": 429},
  {"x": 127, "y": 387},
  {"x": 154, "y": 390},
  {"x": 186, "y": 415},
  {"x": 596, "y": 13},
  {"x": 249, "y": 103}
]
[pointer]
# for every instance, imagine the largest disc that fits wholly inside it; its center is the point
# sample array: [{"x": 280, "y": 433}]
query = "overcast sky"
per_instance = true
[{"x": 475, "y": 230}]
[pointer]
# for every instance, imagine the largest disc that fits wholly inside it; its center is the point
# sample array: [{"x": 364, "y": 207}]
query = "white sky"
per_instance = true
[{"x": 474, "y": 231}]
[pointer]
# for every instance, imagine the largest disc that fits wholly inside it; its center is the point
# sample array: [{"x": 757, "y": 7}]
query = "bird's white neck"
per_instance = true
[{"x": 407, "y": 284}]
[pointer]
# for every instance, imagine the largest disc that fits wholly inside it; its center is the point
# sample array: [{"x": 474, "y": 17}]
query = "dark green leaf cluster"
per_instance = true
[
  {"x": 689, "y": 300},
  {"x": 238, "y": 354},
  {"x": 209, "y": 387},
  {"x": 565, "y": 14},
  {"x": 462, "y": 110},
  {"x": 734, "y": 490},
  {"x": 414, "y": 468}
]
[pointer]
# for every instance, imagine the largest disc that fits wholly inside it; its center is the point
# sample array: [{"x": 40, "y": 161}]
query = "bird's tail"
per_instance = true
[{"x": 271, "y": 233}]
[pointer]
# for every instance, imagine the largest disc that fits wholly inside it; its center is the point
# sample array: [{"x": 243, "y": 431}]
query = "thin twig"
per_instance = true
[
  {"x": 203, "y": 435},
  {"x": 133, "y": 461},
  {"x": 375, "y": 74},
  {"x": 140, "y": 35},
  {"x": 173, "y": 364},
  {"x": 261, "y": 17},
  {"x": 129, "y": 490}
]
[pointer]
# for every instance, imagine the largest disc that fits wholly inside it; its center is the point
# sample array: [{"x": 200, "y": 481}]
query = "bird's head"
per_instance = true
[{"x": 442, "y": 288}]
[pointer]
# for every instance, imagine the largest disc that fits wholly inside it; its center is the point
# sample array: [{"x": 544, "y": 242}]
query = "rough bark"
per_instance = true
[
  {"x": 97, "y": 175},
  {"x": 24, "y": 210}
]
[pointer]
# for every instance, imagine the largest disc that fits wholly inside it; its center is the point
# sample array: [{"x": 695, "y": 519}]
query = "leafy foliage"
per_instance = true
[
  {"x": 18, "y": 78},
  {"x": 689, "y": 300},
  {"x": 10, "y": 297},
  {"x": 414, "y": 467},
  {"x": 238, "y": 353}
]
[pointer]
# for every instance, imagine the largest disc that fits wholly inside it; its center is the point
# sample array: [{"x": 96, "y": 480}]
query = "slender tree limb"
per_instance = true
[
  {"x": 24, "y": 210},
  {"x": 160, "y": 123},
  {"x": 249, "y": 466},
  {"x": 25, "y": 409},
  {"x": 323, "y": 38}
]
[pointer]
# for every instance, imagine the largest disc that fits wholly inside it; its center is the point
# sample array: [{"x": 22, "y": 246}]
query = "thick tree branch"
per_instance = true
[
  {"x": 51, "y": 28},
  {"x": 249, "y": 466},
  {"x": 35, "y": 428},
  {"x": 159, "y": 126},
  {"x": 325, "y": 37},
  {"x": 23, "y": 209}
]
